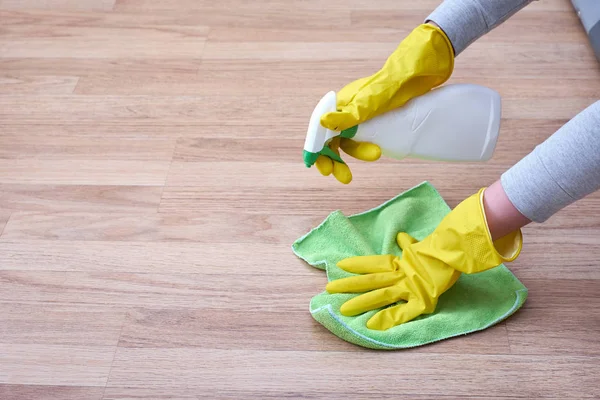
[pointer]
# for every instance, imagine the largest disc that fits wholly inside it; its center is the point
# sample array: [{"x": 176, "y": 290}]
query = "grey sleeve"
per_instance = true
[
  {"x": 465, "y": 21},
  {"x": 561, "y": 170},
  {"x": 564, "y": 168}
]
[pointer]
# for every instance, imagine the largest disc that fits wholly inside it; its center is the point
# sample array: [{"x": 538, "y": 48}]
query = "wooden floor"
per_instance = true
[{"x": 151, "y": 185}]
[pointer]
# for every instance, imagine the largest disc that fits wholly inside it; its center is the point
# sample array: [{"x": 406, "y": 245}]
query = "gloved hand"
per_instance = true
[
  {"x": 331, "y": 161},
  {"x": 422, "y": 61},
  {"x": 460, "y": 244}
]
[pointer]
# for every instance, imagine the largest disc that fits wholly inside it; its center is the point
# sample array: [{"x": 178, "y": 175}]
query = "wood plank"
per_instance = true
[
  {"x": 293, "y": 175},
  {"x": 55, "y": 19},
  {"x": 222, "y": 227},
  {"x": 87, "y": 5},
  {"x": 319, "y": 77},
  {"x": 301, "y": 202},
  {"x": 233, "y": 290},
  {"x": 43, "y": 35},
  {"x": 383, "y": 5},
  {"x": 50, "y": 392},
  {"x": 223, "y": 110},
  {"x": 73, "y": 198},
  {"x": 99, "y": 66},
  {"x": 124, "y": 393},
  {"x": 524, "y": 26},
  {"x": 479, "y": 54},
  {"x": 560, "y": 318},
  {"x": 219, "y": 79},
  {"x": 554, "y": 331},
  {"x": 265, "y": 14},
  {"x": 4, "y": 216},
  {"x": 38, "y": 84},
  {"x": 118, "y": 132},
  {"x": 44, "y": 364},
  {"x": 311, "y": 201},
  {"x": 218, "y": 146},
  {"x": 222, "y": 329},
  {"x": 191, "y": 371},
  {"x": 49, "y": 324},
  {"x": 337, "y": 34},
  {"x": 529, "y": 131},
  {"x": 543, "y": 249},
  {"x": 56, "y": 146},
  {"x": 52, "y": 157},
  {"x": 83, "y": 172},
  {"x": 197, "y": 109},
  {"x": 223, "y": 6},
  {"x": 149, "y": 257},
  {"x": 556, "y": 292},
  {"x": 542, "y": 255}
]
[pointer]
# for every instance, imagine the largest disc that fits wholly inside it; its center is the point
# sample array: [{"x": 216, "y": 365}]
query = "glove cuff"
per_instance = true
[
  {"x": 508, "y": 247},
  {"x": 463, "y": 239}
]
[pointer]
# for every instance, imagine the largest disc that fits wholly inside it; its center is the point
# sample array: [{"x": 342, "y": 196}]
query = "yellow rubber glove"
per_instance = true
[
  {"x": 460, "y": 244},
  {"x": 422, "y": 61},
  {"x": 360, "y": 150}
]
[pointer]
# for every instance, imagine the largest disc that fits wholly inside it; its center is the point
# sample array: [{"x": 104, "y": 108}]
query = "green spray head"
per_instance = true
[{"x": 310, "y": 157}]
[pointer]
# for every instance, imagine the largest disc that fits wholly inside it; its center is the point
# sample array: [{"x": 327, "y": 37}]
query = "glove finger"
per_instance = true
[
  {"x": 374, "y": 299},
  {"x": 339, "y": 120},
  {"x": 342, "y": 172},
  {"x": 334, "y": 145},
  {"x": 368, "y": 264},
  {"x": 404, "y": 240},
  {"x": 348, "y": 92},
  {"x": 324, "y": 165},
  {"x": 364, "y": 283},
  {"x": 361, "y": 150},
  {"x": 396, "y": 315}
]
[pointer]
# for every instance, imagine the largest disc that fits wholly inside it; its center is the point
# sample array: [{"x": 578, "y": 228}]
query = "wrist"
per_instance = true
[{"x": 502, "y": 216}]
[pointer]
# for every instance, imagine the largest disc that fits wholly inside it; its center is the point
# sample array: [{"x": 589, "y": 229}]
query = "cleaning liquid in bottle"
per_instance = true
[{"x": 456, "y": 122}]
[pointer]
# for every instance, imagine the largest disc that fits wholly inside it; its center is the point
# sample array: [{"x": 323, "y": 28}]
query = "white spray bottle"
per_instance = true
[{"x": 456, "y": 122}]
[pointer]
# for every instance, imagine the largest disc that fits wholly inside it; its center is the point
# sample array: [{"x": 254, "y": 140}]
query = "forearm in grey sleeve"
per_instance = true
[
  {"x": 465, "y": 21},
  {"x": 561, "y": 170}
]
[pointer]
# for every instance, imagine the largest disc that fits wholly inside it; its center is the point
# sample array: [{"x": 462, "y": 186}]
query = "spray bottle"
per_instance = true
[{"x": 456, "y": 122}]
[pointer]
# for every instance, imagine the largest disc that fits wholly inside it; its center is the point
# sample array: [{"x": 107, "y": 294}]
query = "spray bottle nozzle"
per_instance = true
[{"x": 317, "y": 135}]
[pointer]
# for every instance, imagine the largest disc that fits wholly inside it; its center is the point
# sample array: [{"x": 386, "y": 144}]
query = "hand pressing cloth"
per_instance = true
[{"x": 475, "y": 302}]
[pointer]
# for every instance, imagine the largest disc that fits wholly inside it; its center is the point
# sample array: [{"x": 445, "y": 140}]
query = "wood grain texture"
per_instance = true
[
  {"x": 151, "y": 185},
  {"x": 73, "y": 198},
  {"x": 83, "y": 67},
  {"x": 210, "y": 227},
  {"x": 219, "y": 329},
  {"x": 37, "y": 84},
  {"x": 231, "y": 290},
  {"x": 50, "y": 392},
  {"x": 308, "y": 15},
  {"x": 61, "y": 325},
  {"x": 83, "y": 172},
  {"x": 49, "y": 364},
  {"x": 60, "y": 147},
  {"x": 240, "y": 371},
  {"x": 87, "y": 5},
  {"x": 4, "y": 216},
  {"x": 525, "y": 25},
  {"x": 217, "y": 110},
  {"x": 176, "y": 257},
  {"x": 42, "y": 35}
]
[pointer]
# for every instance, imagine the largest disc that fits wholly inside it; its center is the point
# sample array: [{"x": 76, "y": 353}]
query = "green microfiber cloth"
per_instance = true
[{"x": 474, "y": 303}]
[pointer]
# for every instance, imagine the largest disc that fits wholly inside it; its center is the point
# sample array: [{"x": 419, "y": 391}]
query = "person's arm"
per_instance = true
[
  {"x": 465, "y": 21},
  {"x": 563, "y": 169},
  {"x": 502, "y": 216}
]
